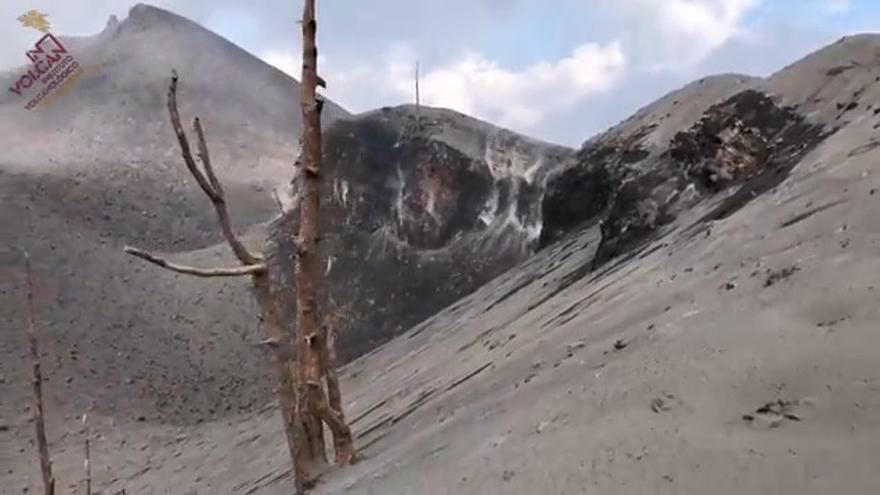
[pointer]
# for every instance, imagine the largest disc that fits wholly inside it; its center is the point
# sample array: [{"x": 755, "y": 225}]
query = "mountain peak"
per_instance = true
[{"x": 143, "y": 16}]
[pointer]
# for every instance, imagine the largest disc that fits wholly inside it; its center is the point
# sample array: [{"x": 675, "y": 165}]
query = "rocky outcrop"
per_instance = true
[
  {"x": 746, "y": 144},
  {"x": 414, "y": 220}
]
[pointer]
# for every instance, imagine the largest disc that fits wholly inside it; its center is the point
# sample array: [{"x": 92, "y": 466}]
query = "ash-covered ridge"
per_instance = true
[{"x": 418, "y": 219}]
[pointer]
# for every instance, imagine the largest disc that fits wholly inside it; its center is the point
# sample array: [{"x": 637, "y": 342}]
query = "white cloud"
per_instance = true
[
  {"x": 356, "y": 87},
  {"x": 682, "y": 33},
  {"x": 473, "y": 84},
  {"x": 283, "y": 61},
  {"x": 837, "y": 6},
  {"x": 479, "y": 86}
]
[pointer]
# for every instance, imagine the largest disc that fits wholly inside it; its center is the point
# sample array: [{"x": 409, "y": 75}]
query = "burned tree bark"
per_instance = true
[
  {"x": 251, "y": 264},
  {"x": 418, "y": 102},
  {"x": 39, "y": 421},
  {"x": 313, "y": 407},
  {"x": 87, "y": 460},
  {"x": 308, "y": 342},
  {"x": 333, "y": 319}
]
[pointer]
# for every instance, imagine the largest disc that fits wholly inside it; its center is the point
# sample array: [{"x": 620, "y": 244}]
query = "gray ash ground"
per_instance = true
[{"x": 621, "y": 357}]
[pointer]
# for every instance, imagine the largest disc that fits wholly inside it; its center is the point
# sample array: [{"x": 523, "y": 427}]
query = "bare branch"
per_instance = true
[
  {"x": 206, "y": 159},
  {"x": 278, "y": 201},
  {"x": 237, "y": 271},
  {"x": 184, "y": 141},
  {"x": 246, "y": 257},
  {"x": 336, "y": 422},
  {"x": 210, "y": 185},
  {"x": 39, "y": 423}
]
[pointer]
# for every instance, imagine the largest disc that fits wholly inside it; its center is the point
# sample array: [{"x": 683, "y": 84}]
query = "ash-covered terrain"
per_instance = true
[{"x": 685, "y": 304}]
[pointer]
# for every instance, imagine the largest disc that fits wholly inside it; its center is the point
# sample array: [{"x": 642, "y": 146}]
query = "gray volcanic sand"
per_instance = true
[{"x": 728, "y": 357}]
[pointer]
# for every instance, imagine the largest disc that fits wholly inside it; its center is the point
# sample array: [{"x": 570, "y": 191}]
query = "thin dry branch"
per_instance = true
[
  {"x": 206, "y": 159},
  {"x": 342, "y": 440},
  {"x": 277, "y": 340},
  {"x": 184, "y": 141},
  {"x": 39, "y": 423},
  {"x": 334, "y": 317},
  {"x": 198, "y": 272},
  {"x": 210, "y": 185},
  {"x": 334, "y": 396},
  {"x": 278, "y": 202}
]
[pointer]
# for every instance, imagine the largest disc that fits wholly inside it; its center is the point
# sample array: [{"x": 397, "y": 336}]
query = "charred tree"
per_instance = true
[
  {"x": 418, "y": 102},
  {"x": 334, "y": 319},
  {"x": 308, "y": 342},
  {"x": 252, "y": 264},
  {"x": 87, "y": 459},
  {"x": 39, "y": 420},
  {"x": 313, "y": 407}
]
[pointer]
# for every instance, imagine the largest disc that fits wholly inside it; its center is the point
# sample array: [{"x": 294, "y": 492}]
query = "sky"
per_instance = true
[{"x": 559, "y": 70}]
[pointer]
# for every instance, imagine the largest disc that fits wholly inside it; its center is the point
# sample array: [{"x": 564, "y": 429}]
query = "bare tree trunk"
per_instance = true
[
  {"x": 39, "y": 423},
  {"x": 313, "y": 409},
  {"x": 251, "y": 264},
  {"x": 342, "y": 442},
  {"x": 87, "y": 462},
  {"x": 282, "y": 360},
  {"x": 334, "y": 394},
  {"x": 418, "y": 102},
  {"x": 308, "y": 339}
]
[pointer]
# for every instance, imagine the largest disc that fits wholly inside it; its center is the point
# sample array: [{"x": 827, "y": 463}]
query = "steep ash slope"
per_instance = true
[
  {"x": 100, "y": 168},
  {"x": 740, "y": 147},
  {"x": 730, "y": 346},
  {"x": 727, "y": 354},
  {"x": 107, "y": 145},
  {"x": 117, "y": 106},
  {"x": 145, "y": 344},
  {"x": 643, "y": 173}
]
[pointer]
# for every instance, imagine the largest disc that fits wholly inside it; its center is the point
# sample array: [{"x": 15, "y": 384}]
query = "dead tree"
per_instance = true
[
  {"x": 418, "y": 102},
  {"x": 335, "y": 317},
  {"x": 313, "y": 359},
  {"x": 252, "y": 264},
  {"x": 87, "y": 460},
  {"x": 39, "y": 421}
]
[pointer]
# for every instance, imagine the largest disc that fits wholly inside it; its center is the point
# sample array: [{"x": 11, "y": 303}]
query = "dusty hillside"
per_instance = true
[
  {"x": 140, "y": 343},
  {"x": 146, "y": 345},
  {"x": 106, "y": 148},
  {"x": 117, "y": 107},
  {"x": 99, "y": 169},
  {"x": 707, "y": 325}
]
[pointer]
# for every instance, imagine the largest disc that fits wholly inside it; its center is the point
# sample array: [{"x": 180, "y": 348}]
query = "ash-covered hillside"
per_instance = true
[
  {"x": 100, "y": 168},
  {"x": 645, "y": 314},
  {"x": 145, "y": 344}
]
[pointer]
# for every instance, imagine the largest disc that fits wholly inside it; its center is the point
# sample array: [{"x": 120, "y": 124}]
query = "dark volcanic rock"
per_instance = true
[
  {"x": 581, "y": 192},
  {"x": 413, "y": 221},
  {"x": 577, "y": 195},
  {"x": 747, "y": 142}
]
